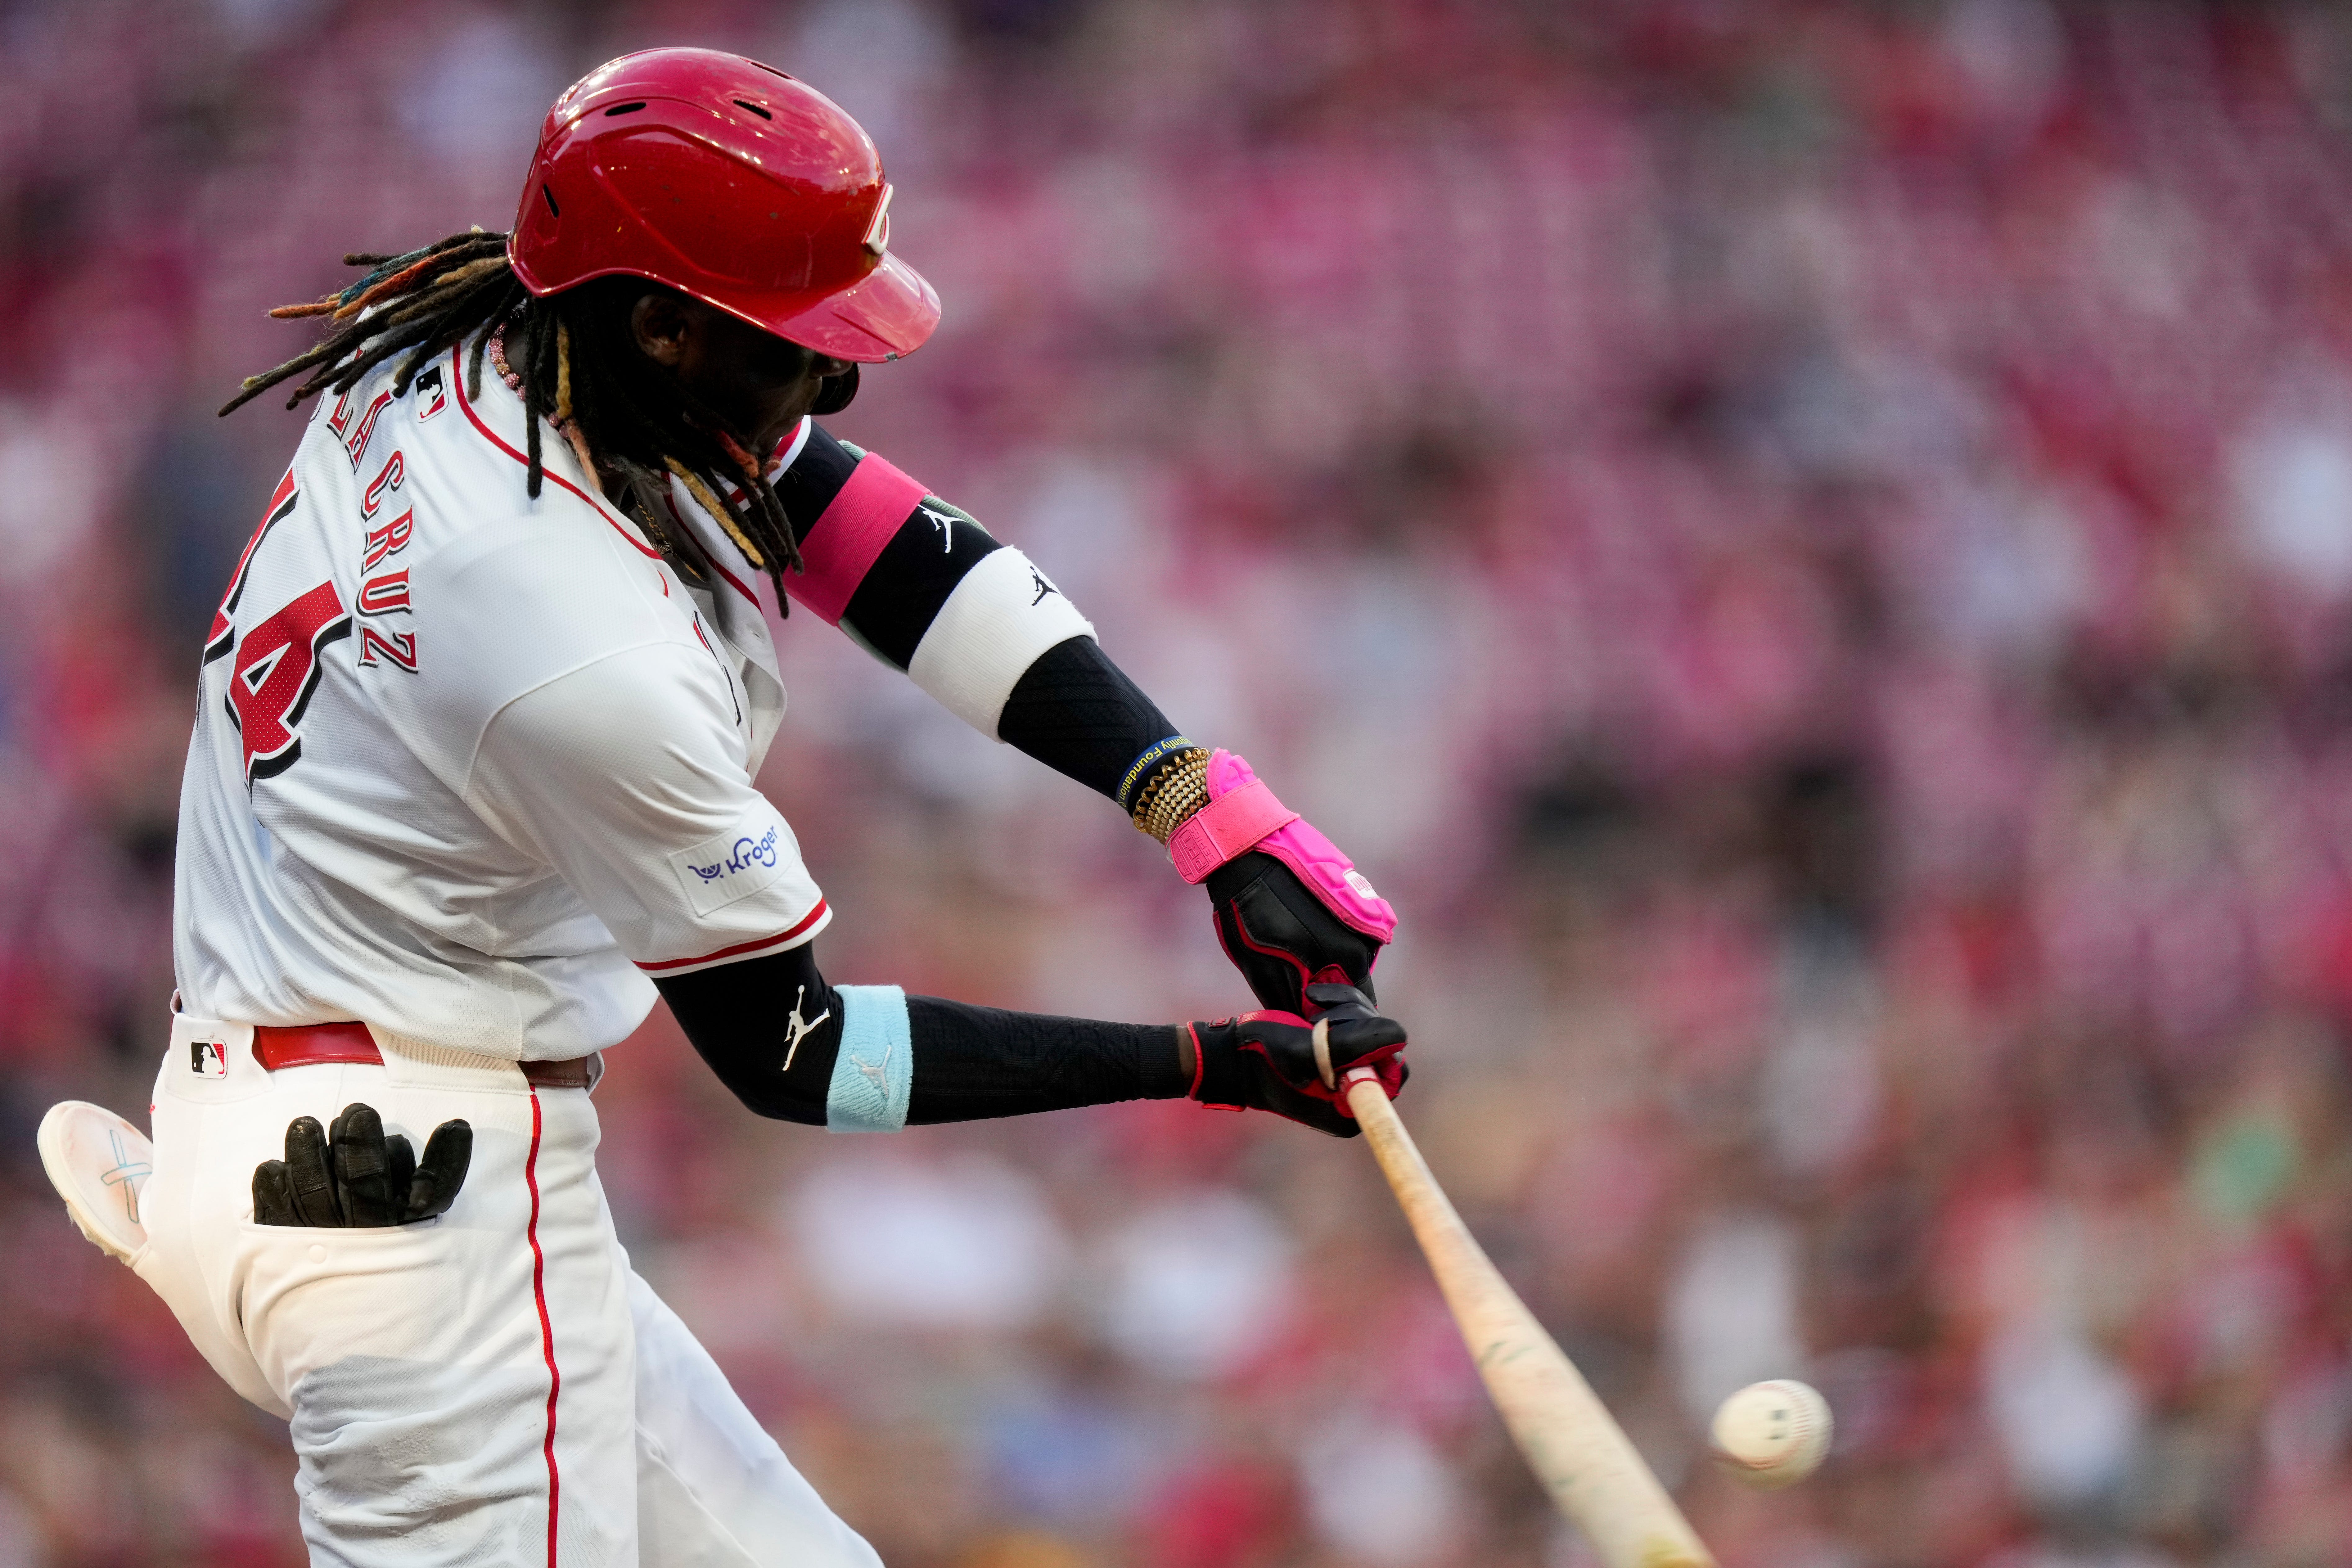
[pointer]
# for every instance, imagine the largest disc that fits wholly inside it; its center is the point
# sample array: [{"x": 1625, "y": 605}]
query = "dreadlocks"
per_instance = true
[{"x": 630, "y": 422}]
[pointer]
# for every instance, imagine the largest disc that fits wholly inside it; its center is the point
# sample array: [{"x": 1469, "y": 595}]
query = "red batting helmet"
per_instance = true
[{"x": 727, "y": 180}]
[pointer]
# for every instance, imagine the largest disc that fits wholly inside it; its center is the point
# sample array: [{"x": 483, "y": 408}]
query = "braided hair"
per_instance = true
[{"x": 630, "y": 421}]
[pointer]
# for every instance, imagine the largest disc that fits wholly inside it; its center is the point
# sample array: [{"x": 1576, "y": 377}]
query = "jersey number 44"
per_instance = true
[{"x": 276, "y": 662}]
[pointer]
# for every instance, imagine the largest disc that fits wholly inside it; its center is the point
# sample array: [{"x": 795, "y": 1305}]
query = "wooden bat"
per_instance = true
[{"x": 1575, "y": 1447}]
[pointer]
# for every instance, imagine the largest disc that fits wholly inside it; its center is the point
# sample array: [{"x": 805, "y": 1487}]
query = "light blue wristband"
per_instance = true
[{"x": 875, "y": 1070}]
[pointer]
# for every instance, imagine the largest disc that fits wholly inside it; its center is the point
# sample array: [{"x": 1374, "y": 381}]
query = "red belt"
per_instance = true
[{"x": 307, "y": 1045}]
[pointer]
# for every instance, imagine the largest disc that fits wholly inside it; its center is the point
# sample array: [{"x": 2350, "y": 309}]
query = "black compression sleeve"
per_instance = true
[
  {"x": 739, "y": 1018},
  {"x": 817, "y": 476},
  {"x": 1079, "y": 714},
  {"x": 970, "y": 1063},
  {"x": 927, "y": 556}
]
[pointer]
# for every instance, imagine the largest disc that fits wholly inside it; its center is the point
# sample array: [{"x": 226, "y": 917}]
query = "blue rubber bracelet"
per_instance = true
[{"x": 1153, "y": 755}]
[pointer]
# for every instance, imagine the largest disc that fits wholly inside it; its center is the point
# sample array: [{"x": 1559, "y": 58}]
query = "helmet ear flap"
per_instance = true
[{"x": 838, "y": 391}]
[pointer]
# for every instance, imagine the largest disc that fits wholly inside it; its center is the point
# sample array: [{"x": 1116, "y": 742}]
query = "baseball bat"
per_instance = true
[{"x": 1570, "y": 1441}]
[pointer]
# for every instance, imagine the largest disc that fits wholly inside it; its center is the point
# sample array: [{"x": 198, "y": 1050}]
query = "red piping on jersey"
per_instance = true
[
  {"x": 737, "y": 581},
  {"x": 806, "y": 921},
  {"x": 546, "y": 1328},
  {"x": 457, "y": 373},
  {"x": 788, "y": 444}
]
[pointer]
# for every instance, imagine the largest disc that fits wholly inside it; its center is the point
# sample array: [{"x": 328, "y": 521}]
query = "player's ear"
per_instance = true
[{"x": 660, "y": 325}]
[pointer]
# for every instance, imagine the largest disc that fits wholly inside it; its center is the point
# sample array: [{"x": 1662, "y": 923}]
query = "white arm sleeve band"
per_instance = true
[{"x": 990, "y": 630}]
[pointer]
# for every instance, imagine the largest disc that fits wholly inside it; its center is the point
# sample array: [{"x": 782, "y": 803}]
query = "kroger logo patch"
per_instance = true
[
  {"x": 742, "y": 855},
  {"x": 736, "y": 864}
]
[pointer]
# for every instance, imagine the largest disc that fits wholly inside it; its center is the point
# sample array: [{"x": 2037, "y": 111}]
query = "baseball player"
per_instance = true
[{"x": 470, "y": 784}]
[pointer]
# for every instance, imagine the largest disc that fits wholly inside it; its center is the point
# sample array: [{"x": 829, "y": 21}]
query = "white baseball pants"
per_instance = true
[{"x": 493, "y": 1387}]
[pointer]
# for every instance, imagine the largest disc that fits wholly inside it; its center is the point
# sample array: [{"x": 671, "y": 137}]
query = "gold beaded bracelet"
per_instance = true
[
  {"x": 1152, "y": 787},
  {"x": 1172, "y": 795},
  {"x": 1191, "y": 760}
]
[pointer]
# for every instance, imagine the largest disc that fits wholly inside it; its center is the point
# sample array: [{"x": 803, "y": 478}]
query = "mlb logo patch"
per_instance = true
[
  {"x": 209, "y": 1059},
  {"x": 431, "y": 397}
]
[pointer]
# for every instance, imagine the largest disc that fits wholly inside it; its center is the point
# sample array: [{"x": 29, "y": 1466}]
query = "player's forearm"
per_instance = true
[
  {"x": 923, "y": 585},
  {"x": 973, "y": 624},
  {"x": 1079, "y": 714},
  {"x": 853, "y": 1057},
  {"x": 972, "y": 1063}
]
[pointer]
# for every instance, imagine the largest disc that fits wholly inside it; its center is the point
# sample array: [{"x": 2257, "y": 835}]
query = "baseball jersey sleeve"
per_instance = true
[{"x": 626, "y": 777}]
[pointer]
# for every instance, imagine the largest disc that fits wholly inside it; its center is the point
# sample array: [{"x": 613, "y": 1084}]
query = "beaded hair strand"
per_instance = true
[{"x": 627, "y": 420}]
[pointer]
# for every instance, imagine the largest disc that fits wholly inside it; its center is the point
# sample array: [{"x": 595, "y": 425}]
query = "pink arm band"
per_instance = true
[
  {"x": 872, "y": 503},
  {"x": 1243, "y": 815}
]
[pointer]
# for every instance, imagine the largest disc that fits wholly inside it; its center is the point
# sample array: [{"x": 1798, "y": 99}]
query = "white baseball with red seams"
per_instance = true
[
  {"x": 1771, "y": 1435},
  {"x": 468, "y": 769}
]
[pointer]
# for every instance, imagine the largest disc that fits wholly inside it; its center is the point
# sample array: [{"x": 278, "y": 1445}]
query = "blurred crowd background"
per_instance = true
[{"x": 1807, "y": 546}]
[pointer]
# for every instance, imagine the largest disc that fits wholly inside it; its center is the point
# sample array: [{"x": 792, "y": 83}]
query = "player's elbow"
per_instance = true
[
  {"x": 778, "y": 1062},
  {"x": 776, "y": 1108},
  {"x": 752, "y": 1076}
]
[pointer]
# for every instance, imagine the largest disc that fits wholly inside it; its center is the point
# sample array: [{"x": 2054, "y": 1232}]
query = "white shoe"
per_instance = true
[{"x": 98, "y": 1162}]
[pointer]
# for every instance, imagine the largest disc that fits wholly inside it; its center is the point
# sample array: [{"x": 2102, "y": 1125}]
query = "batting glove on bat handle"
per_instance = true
[
  {"x": 354, "y": 1175},
  {"x": 1290, "y": 909},
  {"x": 1281, "y": 935},
  {"x": 1283, "y": 1063}
]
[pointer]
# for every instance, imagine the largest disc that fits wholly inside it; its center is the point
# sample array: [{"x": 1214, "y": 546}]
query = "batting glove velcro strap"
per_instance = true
[
  {"x": 356, "y": 1175},
  {"x": 1280, "y": 1062}
]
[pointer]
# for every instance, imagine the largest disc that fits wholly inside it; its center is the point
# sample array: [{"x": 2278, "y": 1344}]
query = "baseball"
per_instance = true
[{"x": 1771, "y": 1435}]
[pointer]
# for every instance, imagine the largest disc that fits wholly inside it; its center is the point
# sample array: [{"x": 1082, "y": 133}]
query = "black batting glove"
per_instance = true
[
  {"x": 1282, "y": 937},
  {"x": 356, "y": 1175},
  {"x": 1268, "y": 1061}
]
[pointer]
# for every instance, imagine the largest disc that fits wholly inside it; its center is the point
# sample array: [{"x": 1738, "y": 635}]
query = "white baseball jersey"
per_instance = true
[
  {"x": 472, "y": 767},
  {"x": 468, "y": 766}
]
